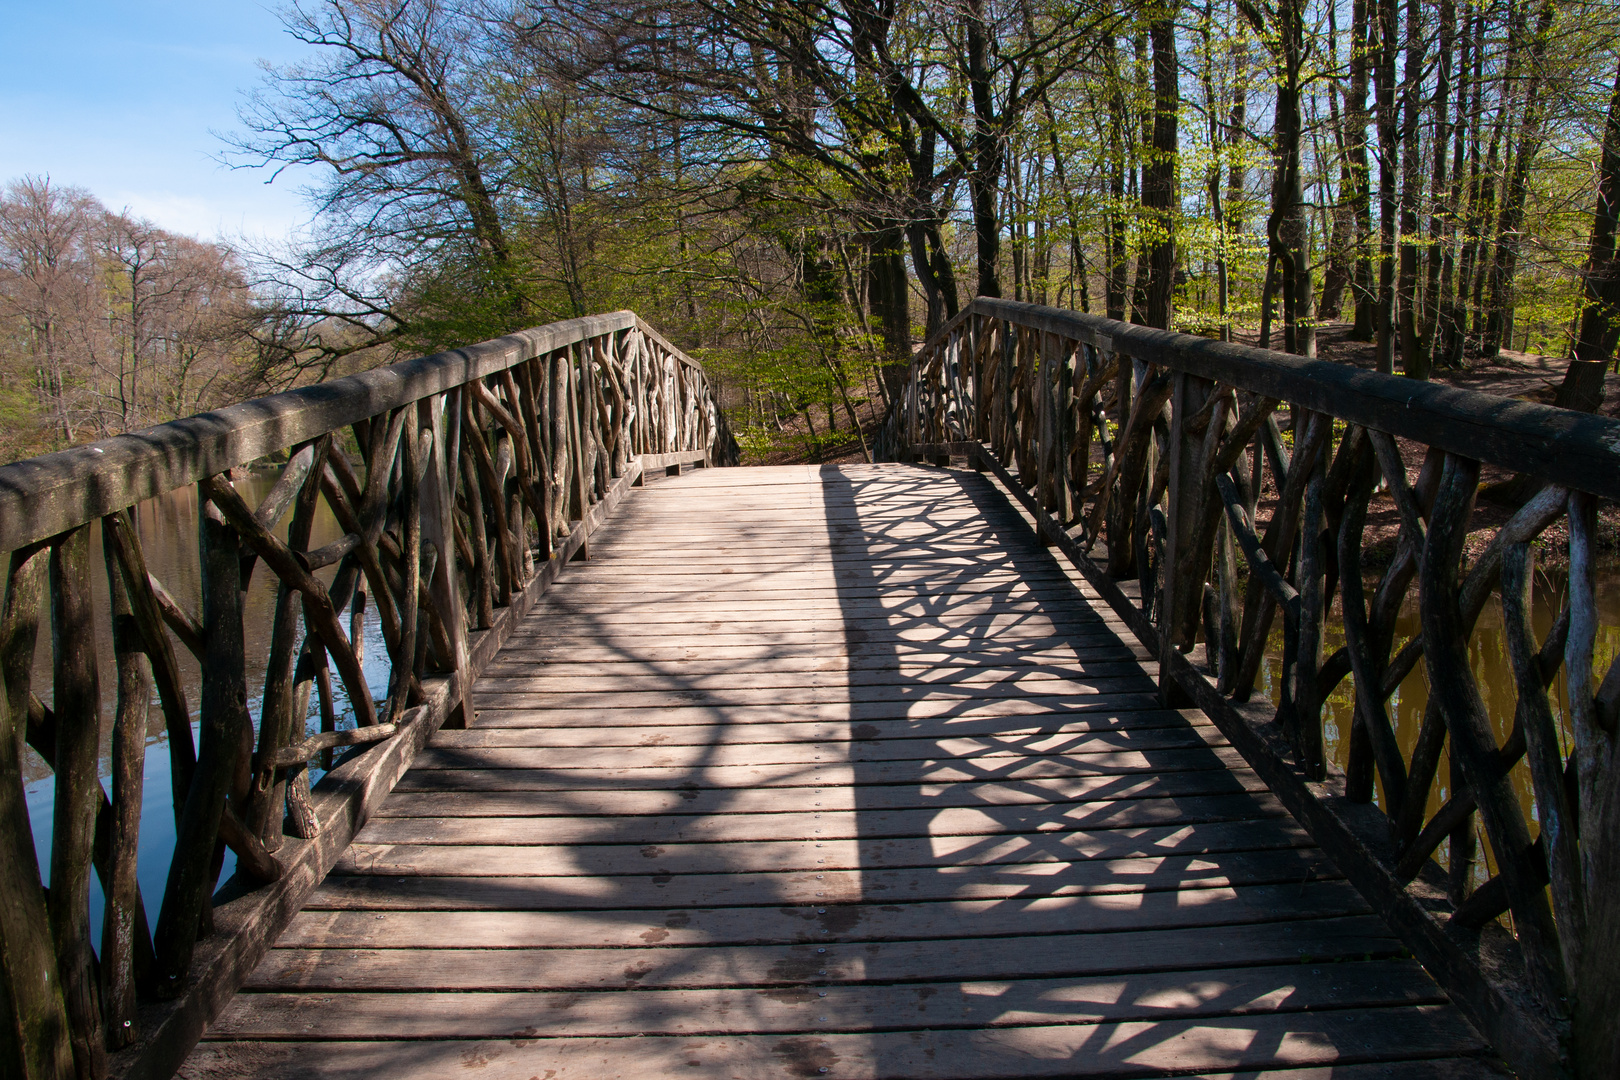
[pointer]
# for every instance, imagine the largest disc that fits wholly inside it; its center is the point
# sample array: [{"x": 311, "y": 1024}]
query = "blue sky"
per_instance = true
[{"x": 121, "y": 98}]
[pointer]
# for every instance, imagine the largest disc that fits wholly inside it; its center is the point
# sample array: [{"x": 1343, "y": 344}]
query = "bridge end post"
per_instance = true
[{"x": 1183, "y": 546}]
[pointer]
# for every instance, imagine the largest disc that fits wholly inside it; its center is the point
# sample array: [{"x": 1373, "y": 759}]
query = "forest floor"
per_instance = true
[{"x": 1527, "y": 376}]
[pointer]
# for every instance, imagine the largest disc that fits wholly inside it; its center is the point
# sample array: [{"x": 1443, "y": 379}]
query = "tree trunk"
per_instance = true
[
  {"x": 1499, "y": 318},
  {"x": 988, "y": 154},
  {"x": 1212, "y": 177},
  {"x": 1159, "y": 171},
  {"x": 1442, "y": 213},
  {"x": 1599, "y": 332},
  {"x": 1118, "y": 269},
  {"x": 1388, "y": 159},
  {"x": 889, "y": 299},
  {"x": 1286, "y": 231},
  {"x": 1414, "y": 353},
  {"x": 1236, "y": 119},
  {"x": 1483, "y": 208},
  {"x": 1341, "y": 245},
  {"x": 1448, "y": 331},
  {"x": 1359, "y": 179}
]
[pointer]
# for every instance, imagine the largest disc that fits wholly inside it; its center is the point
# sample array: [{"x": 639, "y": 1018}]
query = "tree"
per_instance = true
[
  {"x": 1599, "y": 333},
  {"x": 43, "y": 229},
  {"x": 1159, "y": 193},
  {"x": 411, "y": 193}
]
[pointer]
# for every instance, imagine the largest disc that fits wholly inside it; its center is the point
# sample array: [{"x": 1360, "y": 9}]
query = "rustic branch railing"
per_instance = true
[
  {"x": 1155, "y": 461},
  {"x": 478, "y": 472}
]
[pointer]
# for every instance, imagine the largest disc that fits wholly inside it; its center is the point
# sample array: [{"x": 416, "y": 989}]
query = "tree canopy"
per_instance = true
[{"x": 798, "y": 192}]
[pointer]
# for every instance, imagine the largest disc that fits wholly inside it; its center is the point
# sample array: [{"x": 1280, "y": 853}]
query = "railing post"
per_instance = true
[
  {"x": 578, "y": 437},
  {"x": 1185, "y": 495},
  {"x": 1308, "y": 635},
  {"x": 34, "y": 1042},
  {"x": 444, "y": 418},
  {"x": 223, "y": 704}
]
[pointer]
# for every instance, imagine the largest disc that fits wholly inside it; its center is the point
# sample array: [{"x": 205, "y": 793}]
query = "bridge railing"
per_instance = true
[
  {"x": 1156, "y": 462},
  {"x": 461, "y": 481}
]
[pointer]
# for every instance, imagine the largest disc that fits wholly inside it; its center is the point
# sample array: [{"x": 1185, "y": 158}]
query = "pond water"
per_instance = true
[
  {"x": 1493, "y": 670},
  {"x": 168, "y": 532}
]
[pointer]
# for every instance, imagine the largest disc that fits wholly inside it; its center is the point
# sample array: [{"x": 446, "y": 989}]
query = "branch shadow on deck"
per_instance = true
[{"x": 934, "y": 824}]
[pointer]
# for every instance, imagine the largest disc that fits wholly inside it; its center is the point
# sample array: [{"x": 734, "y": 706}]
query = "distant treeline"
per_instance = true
[{"x": 108, "y": 323}]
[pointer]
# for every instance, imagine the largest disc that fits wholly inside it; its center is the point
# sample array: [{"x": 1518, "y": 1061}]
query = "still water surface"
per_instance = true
[{"x": 1493, "y": 670}]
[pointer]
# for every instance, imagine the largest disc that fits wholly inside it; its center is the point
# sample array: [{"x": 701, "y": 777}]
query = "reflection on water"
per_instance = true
[
  {"x": 168, "y": 532},
  {"x": 1488, "y": 656}
]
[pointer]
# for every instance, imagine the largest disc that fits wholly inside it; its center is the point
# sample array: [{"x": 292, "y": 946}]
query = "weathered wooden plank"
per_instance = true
[
  {"x": 542, "y": 691},
  {"x": 1080, "y": 748},
  {"x": 513, "y": 678},
  {"x": 1136, "y": 682},
  {"x": 1042, "y": 955},
  {"x": 480, "y": 860},
  {"x": 694, "y": 801},
  {"x": 948, "y": 631},
  {"x": 567, "y": 730},
  {"x": 529, "y": 1014},
  {"x": 1216, "y": 907},
  {"x": 925, "y": 603},
  {"x": 831, "y": 818},
  {"x": 744, "y": 575},
  {"x": 830, "y": 773},
  {"x": 1218, "y": 1049},
  {"x": 1004, "y": 881},
  {"x": 513, "y": 714},
  {"x": 678, "y": 560},
  {"x": 861, "y": 657},
  {"x": 834, "y": 598}
]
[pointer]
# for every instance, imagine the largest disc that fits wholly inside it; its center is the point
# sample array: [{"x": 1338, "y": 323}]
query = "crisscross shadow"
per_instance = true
[{"x": 1103, "y": 889}]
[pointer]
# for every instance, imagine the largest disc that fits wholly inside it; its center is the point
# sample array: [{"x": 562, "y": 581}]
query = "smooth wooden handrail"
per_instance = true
[
  {"x": 476, "y": 474},
  {"x": 46, "y": 495},
  {"x": 1156, "y": 458}
]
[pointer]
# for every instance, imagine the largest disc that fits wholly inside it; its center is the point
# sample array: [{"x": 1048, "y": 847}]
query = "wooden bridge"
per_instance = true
[{"x": 944, "y": 767}]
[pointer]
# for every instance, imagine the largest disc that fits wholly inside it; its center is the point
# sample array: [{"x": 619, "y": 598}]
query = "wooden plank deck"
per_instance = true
[{"x": 832, "y": 771}]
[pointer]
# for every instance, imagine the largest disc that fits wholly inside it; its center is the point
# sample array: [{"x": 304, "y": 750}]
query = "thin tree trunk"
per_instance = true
[
  {"x": 1359, "y": 177},
  {"x": 1499, "y": 319},
  {"x": 1236, "y": 173},
  {"x": 1118, "y": 270},
  {"x": 1342, "y": 228},
  {"x": 1414, "y": 354},
  {"x": 988, "y": 157},
  {"x": 1159, "y": 173},
  {"x": 1599, "y": 332},
  {"x": 1143, "y": 141},
  {"x": 1388, "y": 160},
  {"x": 1441, "y": 213},
  {"x": 1485, "y": 205},
  {"x": 1213, "y": 178},
  {"x": 1286, "y": 228},
  {"x": 1448, "y": 331}
]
